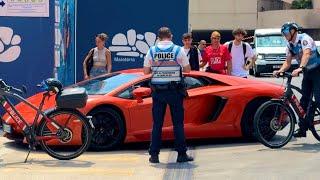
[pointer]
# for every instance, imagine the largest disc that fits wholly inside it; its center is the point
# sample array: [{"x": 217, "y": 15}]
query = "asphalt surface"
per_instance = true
[{"x": 214, "y": 159}]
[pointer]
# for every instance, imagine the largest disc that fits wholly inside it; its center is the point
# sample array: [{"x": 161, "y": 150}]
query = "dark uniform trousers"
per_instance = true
[
  {"x": 310, "y": 84},
  {"x": 162, "y": 98}
]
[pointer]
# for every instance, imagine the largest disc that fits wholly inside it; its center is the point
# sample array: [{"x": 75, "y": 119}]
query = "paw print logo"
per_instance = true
[
  {"x": 9, "y": 45},
  {"x": 132, "y": 44}
]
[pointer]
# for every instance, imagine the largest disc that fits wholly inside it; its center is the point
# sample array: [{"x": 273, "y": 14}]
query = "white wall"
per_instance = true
[
  {"x": 307, "y": 18},
  {"x": 222, "y": 14},
  {"x": 230, "y": 14},
  {"x": 316, "y": 4}
]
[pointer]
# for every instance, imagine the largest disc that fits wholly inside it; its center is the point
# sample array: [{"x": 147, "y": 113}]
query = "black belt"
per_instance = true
[{"x": 171, "y": 86}]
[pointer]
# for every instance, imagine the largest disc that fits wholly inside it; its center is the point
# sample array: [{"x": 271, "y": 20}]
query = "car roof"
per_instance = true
[
  {"x": 224, "y": 79},
  {"x": 270, "y": 31},
  {"x": 230, "y": 80}
]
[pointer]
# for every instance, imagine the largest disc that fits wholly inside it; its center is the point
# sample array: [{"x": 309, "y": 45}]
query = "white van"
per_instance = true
[
  {"x": 318, "y": 45},
  {"x": 270, "y": 49}
]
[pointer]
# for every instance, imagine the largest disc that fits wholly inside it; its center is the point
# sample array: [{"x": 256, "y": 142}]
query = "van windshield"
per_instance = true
[{"x": 271, "y": 41}]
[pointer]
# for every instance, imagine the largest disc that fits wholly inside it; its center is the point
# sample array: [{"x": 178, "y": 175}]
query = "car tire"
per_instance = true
[
  {"x": 248, "y": 116},
  {"x": 251, "y": 71},
  {"x": 256, "y": 73},
  {"x": 109, "y": 129}
]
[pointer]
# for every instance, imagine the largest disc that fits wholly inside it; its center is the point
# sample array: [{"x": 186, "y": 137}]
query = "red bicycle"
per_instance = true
[
  {"x": 55, "y": 128},
  {"x": 274, "y": 121}
]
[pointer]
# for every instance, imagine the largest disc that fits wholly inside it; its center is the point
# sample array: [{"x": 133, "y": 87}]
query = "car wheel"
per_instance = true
[
  {"x": 248, "y": 116},
  {"x": 255, "y": 72},
  {"x": 251, "y": 72},
  {"x": 109, "y": 131}
]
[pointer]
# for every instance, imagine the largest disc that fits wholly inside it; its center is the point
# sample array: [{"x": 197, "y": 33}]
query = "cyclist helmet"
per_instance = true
[
  {"x": 52, "y": 84},
  {"x": 287, "y": 27}
]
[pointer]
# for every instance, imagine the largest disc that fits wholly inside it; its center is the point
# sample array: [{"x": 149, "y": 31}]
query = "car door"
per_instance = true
[
  {"x": 200, "y": 104},
  {"x": 197, "y": 107},
  {"x": 141, "y": 114}
]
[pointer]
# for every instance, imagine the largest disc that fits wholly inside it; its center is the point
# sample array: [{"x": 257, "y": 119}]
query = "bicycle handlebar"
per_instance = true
[
  {"x": 5, "y": 87},
  {"x": 284, "y": 74}
]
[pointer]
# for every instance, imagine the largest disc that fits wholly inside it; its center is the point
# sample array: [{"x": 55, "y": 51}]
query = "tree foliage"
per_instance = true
[{"x": 301, "y": 4}]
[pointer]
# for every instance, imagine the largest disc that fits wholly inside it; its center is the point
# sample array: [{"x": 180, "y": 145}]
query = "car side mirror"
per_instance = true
[{"x": 140, "y": 93}]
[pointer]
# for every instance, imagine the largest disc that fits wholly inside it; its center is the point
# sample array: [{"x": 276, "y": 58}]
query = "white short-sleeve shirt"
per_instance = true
[
  {"x": 238, "y": 60},
  {"x": 182, "y": 58},
  {"x": 186, "y": 51},
  {"x": 306, "y": 42}
]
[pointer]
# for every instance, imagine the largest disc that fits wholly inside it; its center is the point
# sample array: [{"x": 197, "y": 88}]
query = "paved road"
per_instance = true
[{"x": 214, "y": 159}]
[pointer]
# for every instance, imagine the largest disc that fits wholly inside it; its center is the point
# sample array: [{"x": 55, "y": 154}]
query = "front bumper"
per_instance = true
[
  {"x": 8, "y": 132},
  {"x": 263, "y": 66}
]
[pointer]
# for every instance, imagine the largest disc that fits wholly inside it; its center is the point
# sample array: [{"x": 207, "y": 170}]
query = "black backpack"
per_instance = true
[
  {"x": 244, "y": 48},
  {"x": 89, "y": 63},
  {"x": 194, "y": 58}
]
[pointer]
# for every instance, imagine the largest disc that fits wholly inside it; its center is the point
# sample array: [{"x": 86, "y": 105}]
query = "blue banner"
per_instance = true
[
  {"x": 27, "y": 49},
  {"x": 131, "y": 26},
  {"x": 65, "y": 41}
]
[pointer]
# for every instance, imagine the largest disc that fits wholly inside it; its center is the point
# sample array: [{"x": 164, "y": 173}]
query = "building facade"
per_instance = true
[{"x": 208, "y": 15}]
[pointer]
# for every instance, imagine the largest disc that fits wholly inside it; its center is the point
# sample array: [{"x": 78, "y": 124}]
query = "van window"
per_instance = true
[{"x": 271, "y": 41}]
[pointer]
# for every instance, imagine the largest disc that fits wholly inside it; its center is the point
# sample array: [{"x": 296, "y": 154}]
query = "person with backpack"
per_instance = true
[
  {"x": 242, "y": 54},
  {"x": 98, "y": 60},
  {"x": 192, "y": 52},
  {"x": 217, "y": 56}
]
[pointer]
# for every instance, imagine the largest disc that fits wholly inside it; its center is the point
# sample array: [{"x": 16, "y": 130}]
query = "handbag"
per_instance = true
[{"x": 89, "y": 63}]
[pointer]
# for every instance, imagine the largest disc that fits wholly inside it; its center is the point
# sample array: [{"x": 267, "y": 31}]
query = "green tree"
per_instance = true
[{"x": 301, "y": 4}]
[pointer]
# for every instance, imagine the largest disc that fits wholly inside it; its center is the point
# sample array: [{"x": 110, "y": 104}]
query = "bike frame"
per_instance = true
[
  {"x": 17, "y": 117},
  {"x": 290, "y": 98}
]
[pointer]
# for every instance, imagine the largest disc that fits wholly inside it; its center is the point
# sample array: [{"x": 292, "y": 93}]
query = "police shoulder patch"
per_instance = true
[{"x": 305, "y": 42}]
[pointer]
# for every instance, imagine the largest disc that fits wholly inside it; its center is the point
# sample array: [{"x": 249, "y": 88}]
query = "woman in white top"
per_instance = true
[{"x": 101, "y": 57}]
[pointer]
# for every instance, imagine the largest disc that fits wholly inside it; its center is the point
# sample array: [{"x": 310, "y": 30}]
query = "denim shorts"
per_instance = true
[{"x": 97, "y": 71}]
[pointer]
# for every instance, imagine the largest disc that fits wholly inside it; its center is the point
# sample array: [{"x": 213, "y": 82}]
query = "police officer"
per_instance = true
[
  {"x": 303, "y": 48},
  {"x": 165, "y": 62}
]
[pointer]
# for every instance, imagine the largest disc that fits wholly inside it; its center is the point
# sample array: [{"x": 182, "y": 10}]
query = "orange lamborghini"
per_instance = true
[{"x": 120, "y": 105}]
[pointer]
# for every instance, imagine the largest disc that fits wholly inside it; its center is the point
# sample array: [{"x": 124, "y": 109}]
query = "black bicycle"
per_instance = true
[
  {"x": 63, "y": 132},
  {"x": 274, "y": 121}
]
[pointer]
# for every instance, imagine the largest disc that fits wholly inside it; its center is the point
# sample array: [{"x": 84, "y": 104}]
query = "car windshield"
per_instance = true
[
  {"x": 271, "y": 41},
  {"x": 106, "y": 84}
]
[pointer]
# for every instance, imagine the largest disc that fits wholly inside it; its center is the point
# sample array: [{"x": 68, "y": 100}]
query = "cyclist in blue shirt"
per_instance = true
[{"x": 302, "y": 47}]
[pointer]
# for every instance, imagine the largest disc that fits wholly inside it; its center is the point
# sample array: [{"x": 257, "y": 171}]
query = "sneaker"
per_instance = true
[
  {"x": 300, "y": 133},
  {"x": 184, "y": 158},
  {"x": 154, "y": 159}
]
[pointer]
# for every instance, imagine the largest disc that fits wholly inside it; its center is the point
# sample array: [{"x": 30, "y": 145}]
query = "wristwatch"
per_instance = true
[{"x": 303, "y": 68}]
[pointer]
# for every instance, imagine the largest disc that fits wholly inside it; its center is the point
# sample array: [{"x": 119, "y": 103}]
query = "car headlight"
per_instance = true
[{"x": 260, "y": 56}]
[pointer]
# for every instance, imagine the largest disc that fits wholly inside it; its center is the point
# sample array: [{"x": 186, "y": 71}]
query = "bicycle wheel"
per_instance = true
[
  {"x": 315, "y": 122},
  {"x": 72, "y": 140},
  {"x": 274, "y": 124}
]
